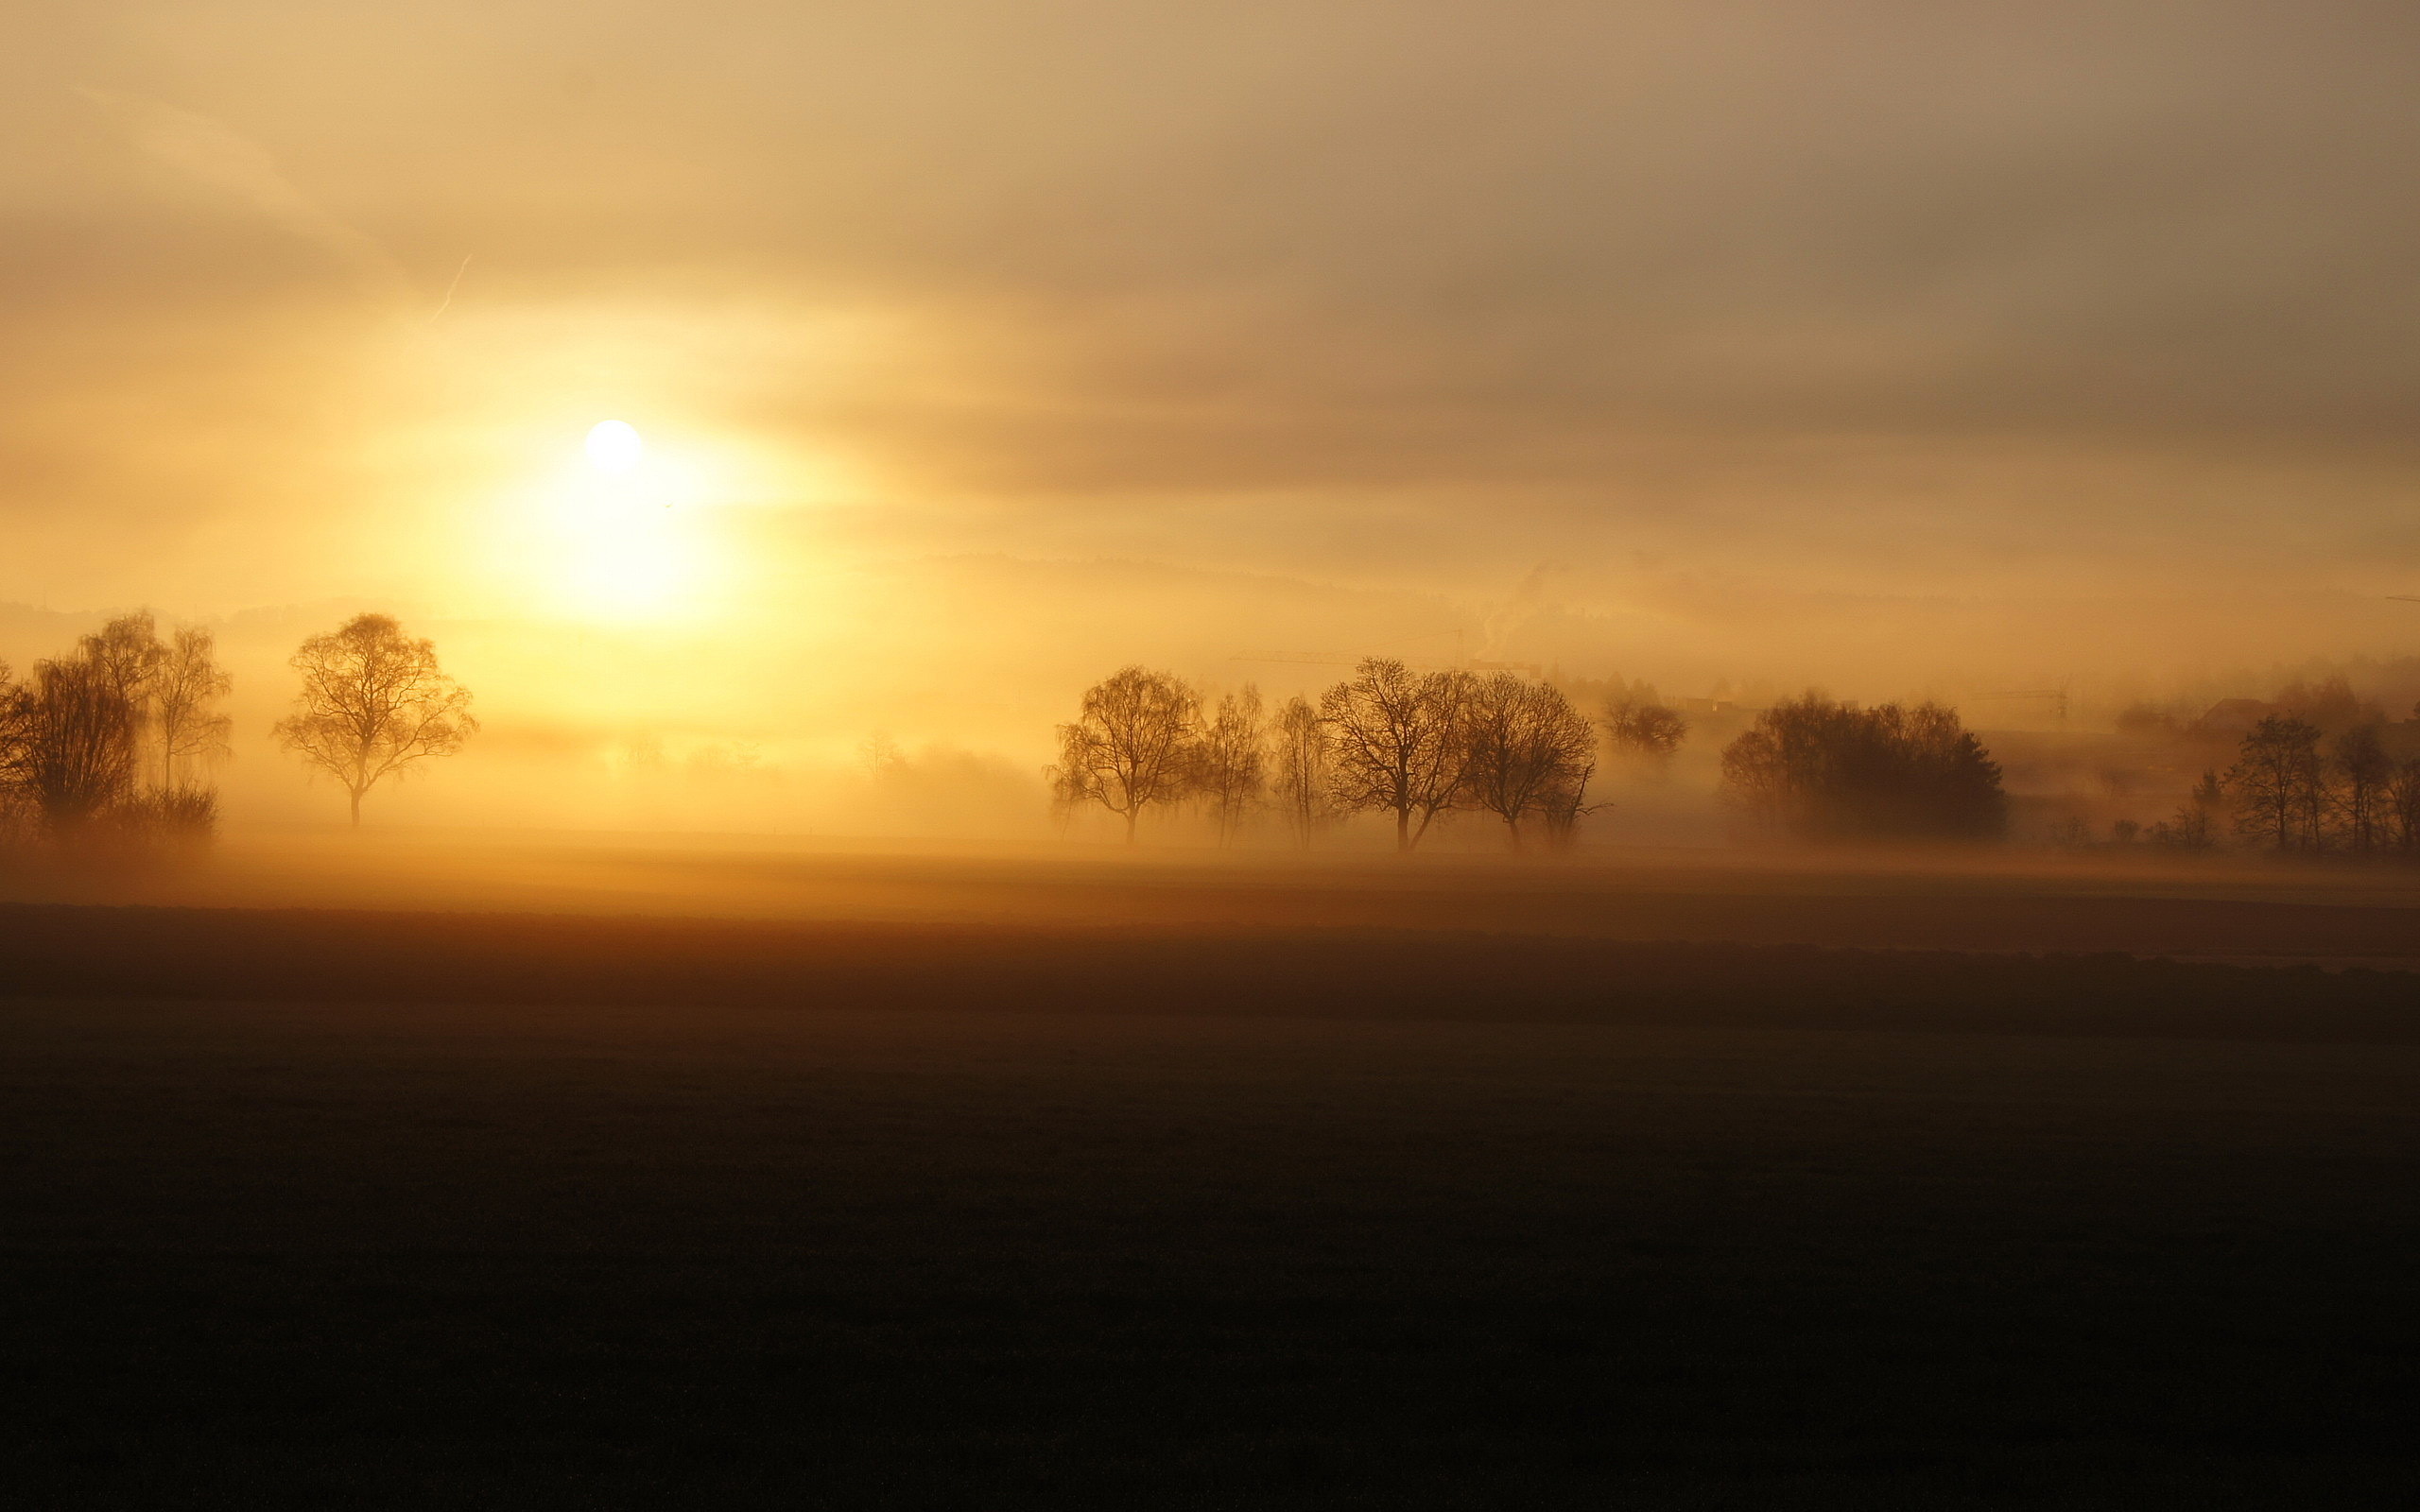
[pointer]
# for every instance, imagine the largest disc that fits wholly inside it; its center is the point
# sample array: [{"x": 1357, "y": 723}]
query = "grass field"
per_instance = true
[{"x": 390, "y": 1209}]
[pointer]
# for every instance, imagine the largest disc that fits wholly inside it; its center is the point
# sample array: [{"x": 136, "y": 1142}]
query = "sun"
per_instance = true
[
  {"x": 617, "y": 533},
  {"x": 614, "y": 446}
]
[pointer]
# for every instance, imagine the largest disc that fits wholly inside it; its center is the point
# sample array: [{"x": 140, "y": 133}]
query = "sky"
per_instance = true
[{"x": 1895, "y": 346}]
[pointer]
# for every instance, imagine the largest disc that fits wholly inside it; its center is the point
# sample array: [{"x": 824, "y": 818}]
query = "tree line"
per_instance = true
[
  {"x": 1409, "y": 745},
  {"x": 1414, "y": 747},
  {"x": 2294, "y": 788},
  {"x": 115, "y": 738}
]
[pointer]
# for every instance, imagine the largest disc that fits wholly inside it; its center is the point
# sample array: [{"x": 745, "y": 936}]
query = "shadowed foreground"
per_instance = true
[{"x": 364, "y": 1209}]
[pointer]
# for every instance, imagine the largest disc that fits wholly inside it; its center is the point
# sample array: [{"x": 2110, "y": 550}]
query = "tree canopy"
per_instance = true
[
  {"x": 374, "y": 704},
  {"x": 1819, "y": 768}
]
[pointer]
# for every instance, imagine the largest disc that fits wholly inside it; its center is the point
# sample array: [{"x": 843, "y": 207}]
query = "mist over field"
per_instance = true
[{"x": 920, "y": 700}]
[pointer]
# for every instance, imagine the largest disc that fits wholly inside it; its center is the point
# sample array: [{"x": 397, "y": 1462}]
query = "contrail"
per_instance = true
[{"x": 449, "y": 291}]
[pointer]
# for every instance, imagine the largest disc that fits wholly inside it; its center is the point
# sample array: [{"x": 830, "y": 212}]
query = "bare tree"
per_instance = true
[
  {"x": 1230, "y": 771},
  {"x": 1644, "y": 729},
  {"x": 1132, "y": 745},
  {"x": 374, "y": 704},
  {"x": 2358, "y": 761},
  {"x": 2403, "y": 805},
  {"x": 1528, "y": 754},
  {"x": 1398, "y": 744},
  {"x": 2279, "y": 784},
  {"x": 17, "y": 750},
  {"x": 1561, "y": 811},
  {"x": 126, "y": 655},
  {"x": 185, "y": 685},
  {"x": 1299, "y": 740}
]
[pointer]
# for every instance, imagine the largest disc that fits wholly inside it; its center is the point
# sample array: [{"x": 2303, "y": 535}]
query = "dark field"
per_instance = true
[{"x": 406, "y": 1209}]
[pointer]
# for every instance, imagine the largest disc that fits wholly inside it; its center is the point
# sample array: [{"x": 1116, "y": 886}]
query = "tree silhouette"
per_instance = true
[
  {"x": 127, "y": 654},
  {"x": 1528, "y": 754},
  {"x": 75, "y": 738},
  {"x": 1820, "y": 769},
  {"x": 1397, "y": 742},
  {"x": 184, "y": 685},
  {"x": 1132, "y": 745},
  {"x": 374, "y": 704},
  {"x": 2403, "y": 805},
  {"x": 1230, "y": 765},
  {"x": 2280, "y": 783},
  {"x": 16, "y": 720},
  {"x": 1299, "y": 741},
  {"x": 2358, "y": 761},
  {"x": 1642, "y": 728}
]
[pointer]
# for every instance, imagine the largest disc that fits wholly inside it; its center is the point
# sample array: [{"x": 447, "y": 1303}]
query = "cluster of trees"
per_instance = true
[
  {"x": 2292, "y": 788},
  {"x": 116, "y": 737},
  {"x": 1819, "y": 769},
  {"x": 1409, "y": 745},
  {"x": 1644, "y": 727},
  {"x": 113, "y": 737},
  {"x": 2322, "y": 770}
]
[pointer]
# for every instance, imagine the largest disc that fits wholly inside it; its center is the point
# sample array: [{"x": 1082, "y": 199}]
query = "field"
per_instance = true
[{"x": 768, "y": 1176}]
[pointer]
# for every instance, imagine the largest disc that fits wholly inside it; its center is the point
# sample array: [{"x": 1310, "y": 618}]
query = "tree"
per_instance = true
[
  {"x": 2403, "y": 805},
  {"x": 1132, "y": 745},
  {"x": 16, "y": 720},
  {"x": 2194, "y": 826},
  {"x": 76, "y": 735},
  {"x": 1230, "y": 765},
  {"x": 2358, "y": 761},
  {"x": 73, "y": 737},
  {"x": 1527, "y": 753},
  {"x": 1561, "y": 808},
  {"x": 1299, "y": 749},
  {"x": 185, "y": 684},
  {"x": 1644, "y": 729},
  {"x": 127, "y": 654},
  {"x": 374, "y": 704},
  {"x": 1819, "y": 768},
  {"x": 1397, "y": 742},
  {"x": 2280, "y": 783}
]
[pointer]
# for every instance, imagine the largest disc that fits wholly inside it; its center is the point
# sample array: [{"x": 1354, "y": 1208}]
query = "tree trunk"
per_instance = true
[
  {"x": 356, "y": 794},
  {"x": 1132, "y": 814},
  {"x": 1403, "y": 831}
]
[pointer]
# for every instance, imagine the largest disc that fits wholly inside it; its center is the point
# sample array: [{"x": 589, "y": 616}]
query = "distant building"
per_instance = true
[{"x": 2232, "y": 718}]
